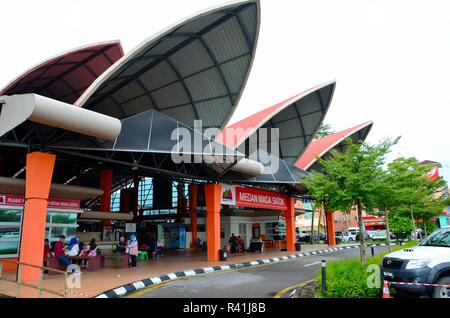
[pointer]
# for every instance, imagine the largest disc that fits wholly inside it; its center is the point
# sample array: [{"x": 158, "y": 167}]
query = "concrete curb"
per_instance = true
[{"x": 154, "y": 281}]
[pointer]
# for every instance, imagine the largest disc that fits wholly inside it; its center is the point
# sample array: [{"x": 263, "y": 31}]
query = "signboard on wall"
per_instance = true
[
  {"x": 17, "y": 200},
  {"x": 228, "y": 194},
  {"x": 253, "y": 198},
  {"x": 130, "y": 227}
]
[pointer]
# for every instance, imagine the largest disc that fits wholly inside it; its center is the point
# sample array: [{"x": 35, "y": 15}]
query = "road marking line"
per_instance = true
[
  {"x": 287, "y": 289},
  {"x": 315, "y": 263}
]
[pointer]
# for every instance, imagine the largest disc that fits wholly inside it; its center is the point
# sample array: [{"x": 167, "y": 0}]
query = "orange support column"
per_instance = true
[
  {"x": 193, "y": 192},
  {"x": 213, "y": 198},
  {"x": 290, "y": 225},
  {"x": 330, "y": 229},
  {"x": 39, "y": 172}
]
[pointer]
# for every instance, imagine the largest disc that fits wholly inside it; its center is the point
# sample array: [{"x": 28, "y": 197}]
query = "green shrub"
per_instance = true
[{"x": 348, "y": 278}]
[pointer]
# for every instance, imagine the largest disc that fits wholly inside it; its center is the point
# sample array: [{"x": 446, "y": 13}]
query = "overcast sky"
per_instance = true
[{"x": 391, "y": 59}]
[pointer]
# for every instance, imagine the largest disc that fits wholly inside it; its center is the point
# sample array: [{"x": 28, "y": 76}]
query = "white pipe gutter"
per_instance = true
[
  {"x": 17, "y": 109},
  {"x": 57, "y": 191}
]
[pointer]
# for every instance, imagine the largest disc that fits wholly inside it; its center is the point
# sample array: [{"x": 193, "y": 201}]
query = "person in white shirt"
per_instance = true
[{"x": 73, "y": 249}]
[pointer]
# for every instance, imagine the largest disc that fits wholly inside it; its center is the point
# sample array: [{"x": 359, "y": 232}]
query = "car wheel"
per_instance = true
[
  {"x": 350, "y": 240},
  {"x": 442, "y": 292}
]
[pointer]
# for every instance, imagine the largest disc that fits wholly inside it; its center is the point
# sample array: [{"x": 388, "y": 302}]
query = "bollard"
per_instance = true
[
  {"x": 372, "y": 249},
  {"x": 324, "y": 278}
]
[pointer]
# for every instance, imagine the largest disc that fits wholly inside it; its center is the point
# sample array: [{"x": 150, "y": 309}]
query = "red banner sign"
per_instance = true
[
  {"x": 16, "y": 200},
  {"x": 253, "y": 198}
]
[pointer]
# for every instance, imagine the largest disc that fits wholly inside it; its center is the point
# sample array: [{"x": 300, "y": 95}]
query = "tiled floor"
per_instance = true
[{"x": 94, "y": 283}]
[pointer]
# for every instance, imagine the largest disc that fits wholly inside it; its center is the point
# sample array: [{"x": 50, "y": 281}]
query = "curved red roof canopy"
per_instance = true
[
  {"x": 66, "y": 76},
  {"x": 322, "y": 147},
  {"x": 297, "y": 119}
]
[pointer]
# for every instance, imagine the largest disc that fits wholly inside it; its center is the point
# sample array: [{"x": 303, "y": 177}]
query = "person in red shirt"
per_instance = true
[
  {"x": 47, "y": 252},
  {"x": 58, "y": 251}
]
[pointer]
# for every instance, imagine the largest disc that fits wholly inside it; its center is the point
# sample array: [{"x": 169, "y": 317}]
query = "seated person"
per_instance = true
[
  {"x": 73, "y": 249},
  {"x": 85, "y": 250},
  {"x": 256, "y": 244},
  {"x": 234, "y": 243},
  {"x": 122, "y": 245},
  {"x": 59, "y": 254},
  {"x": 89, "y": 250},
  {"x": 92, "y": 248},
  {"x": 144, "y": 247},
  {"x": 199, "y": 243},
  {"x": 241, "y": 244}
]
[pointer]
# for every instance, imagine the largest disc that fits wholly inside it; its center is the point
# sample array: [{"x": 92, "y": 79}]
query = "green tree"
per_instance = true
[
  {"x": 401, "y": 226},
  {"x": 351, "y": 179},
  {"x": 323, "y": 131},
  {"x": 414, "y": 193}
]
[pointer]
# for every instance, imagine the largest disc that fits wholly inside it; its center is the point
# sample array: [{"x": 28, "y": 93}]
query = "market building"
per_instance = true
[{"x": 98, "y": 143}]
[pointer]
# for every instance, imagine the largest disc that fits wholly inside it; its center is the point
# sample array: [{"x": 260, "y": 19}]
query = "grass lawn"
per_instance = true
[{"x": 348, "y": 278}]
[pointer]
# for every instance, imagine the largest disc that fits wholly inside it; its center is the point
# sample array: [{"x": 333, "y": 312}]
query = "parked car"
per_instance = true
[
  {"x": 347, "y": 238},
  {"x": 352, "y": 233},
  {"x": 429, "y": 263},
  {"x": 343, "y": 237},
  {"x": 339, "y": 236}
]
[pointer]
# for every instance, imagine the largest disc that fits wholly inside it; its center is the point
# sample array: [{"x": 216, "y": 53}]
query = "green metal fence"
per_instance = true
[{"x": 40, "y": 288}]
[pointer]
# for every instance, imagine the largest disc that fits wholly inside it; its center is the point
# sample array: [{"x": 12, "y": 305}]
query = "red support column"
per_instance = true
[
  {"x": 290, "y": 225},
  {"x": 331, "y": 235},
  {"x": 106, "y": 184},
  {"x": 39, "y": 172},
  {"x": 136, "y": 195},
  {"x": 105, "y": 200},
  {"x": 193, "y": 192},
  {"x": 213, "y": 199}
]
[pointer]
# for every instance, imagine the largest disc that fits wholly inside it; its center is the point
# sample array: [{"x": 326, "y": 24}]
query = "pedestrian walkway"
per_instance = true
[{"x": 94, "y": 283}]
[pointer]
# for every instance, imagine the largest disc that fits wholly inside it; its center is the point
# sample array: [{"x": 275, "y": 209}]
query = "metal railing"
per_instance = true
[{"x": 39, "y": 287}]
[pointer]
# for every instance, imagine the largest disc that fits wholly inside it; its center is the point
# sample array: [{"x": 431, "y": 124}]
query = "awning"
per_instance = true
[{"x": 152, "y": 139}]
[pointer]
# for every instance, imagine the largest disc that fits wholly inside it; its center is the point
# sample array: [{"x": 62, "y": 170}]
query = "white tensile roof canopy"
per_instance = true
[{"x": 195, "y": 70}]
